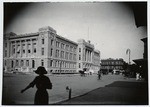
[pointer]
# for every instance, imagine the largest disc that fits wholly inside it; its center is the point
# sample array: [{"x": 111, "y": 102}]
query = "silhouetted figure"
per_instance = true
[
  {"x": 99, "y": 74},
  {"x": 42, "y": 83}
]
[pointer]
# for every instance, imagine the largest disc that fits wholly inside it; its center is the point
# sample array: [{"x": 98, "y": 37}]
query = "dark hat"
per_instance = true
[{"x": 41, "y": 70}]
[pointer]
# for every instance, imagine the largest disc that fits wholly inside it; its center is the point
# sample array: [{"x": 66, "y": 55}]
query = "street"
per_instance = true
[{"x": 13, "y": 83}]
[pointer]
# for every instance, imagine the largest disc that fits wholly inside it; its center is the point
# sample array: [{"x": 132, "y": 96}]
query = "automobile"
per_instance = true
[{"x": 116, "y": 72}]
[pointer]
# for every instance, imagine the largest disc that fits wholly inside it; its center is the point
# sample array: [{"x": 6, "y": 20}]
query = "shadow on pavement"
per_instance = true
[{"x": 117, "y": 93}]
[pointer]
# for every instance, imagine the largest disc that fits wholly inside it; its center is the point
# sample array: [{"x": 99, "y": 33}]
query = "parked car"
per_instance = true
[{"x": 117, "y": 72}]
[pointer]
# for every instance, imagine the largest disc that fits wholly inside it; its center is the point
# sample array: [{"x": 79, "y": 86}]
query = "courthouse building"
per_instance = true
[
  {"x": 25, "y": 52},
  {"x": 88, "y": 57}
]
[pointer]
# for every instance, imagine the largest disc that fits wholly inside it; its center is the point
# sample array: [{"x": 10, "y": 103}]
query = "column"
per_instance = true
[
  {"x": 10, "y": 49},
  {"x": 31, "y": 46},
  {"x": 90, "y": 56},
  {"x": 15, "y": 49},
  {"x": 20, "y": 49},
  {"x": 86, "y": 56},
  {"x": 26, "y": 46}
]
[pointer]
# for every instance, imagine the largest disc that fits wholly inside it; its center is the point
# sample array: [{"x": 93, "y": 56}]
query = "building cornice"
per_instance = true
[{"x": 65, "y": 39}]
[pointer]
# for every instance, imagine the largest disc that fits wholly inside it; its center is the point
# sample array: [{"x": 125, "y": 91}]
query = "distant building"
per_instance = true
[
  {"x": 108, "y": 65},
  {"x": 25, "y": 52},
  {"x": 88, "y": 57}
]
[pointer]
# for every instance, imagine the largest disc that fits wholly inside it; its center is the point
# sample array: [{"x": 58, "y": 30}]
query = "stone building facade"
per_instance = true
[
  {"x": 24, "y": 53},
  {"x": 88, "y": 57},
  {"x": 108, "y": 65}
]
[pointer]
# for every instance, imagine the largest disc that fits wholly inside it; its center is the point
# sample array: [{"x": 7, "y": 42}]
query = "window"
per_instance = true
[
  {"x": 70, "y": 56},
  {"x": 71, "y": 48},
  {"x": 57, "y": 44},
  {"x": 13, "y": 49},
  {"x": 5, "y": 53},
  {"x": 116, "y": 63},
  {"x": 42, "y": 63},
  {"x": 52, "y": 42},
  {"x": 66, "y": 55},
  {"x": 17, "y": 63},
  {"x": 23, "y": 51},
  {"x": 12, "y": 64},
  {"x": 18, "y": 49},
  {"x": 57, "y": 63},
  {"x": 27, "y": 62},
  {"x": 51, "y": 54},
  {"x": 29, "y": 51},
  {"x": 34, "y": 47},
  {"x": 79, "y": 57},
  {"x": 112, "y": 63},
  {"x": 74, "y": 57},
  {"x": 29, "y": 46},
  {"x": 42, "y": 51},
  {"x": 62, "y": 54},
  {"x": 5, "y": 62},
  {"x": 62, "y": 46},
  {"x": 33, "y": 63},
  {"x": 22, "y": 62},
  {"x": 74, "y": 49},
  {"x": 51, "y": 63},
  {"x": 57, "y": 53},
  {"x": 43, "y": 41},
  {"x": 79, "y": 65},
  {"x": 67, "y": 46},
  {"x": 79, "y": 49},
  {"x": 6, "y": 45},
  {"x": 34, "y": 50}
]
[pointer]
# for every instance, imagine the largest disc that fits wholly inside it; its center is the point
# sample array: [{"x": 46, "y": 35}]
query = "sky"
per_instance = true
[{"x": 110, "y": 26}]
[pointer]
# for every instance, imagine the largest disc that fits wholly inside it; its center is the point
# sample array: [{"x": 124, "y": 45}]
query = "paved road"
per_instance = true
[
  {"x": 127, "y": 92},
  {"x": 12, "y": 84}
]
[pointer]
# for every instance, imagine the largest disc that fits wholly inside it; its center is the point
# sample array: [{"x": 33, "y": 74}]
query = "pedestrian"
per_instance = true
[
  {"x": 99, "y": 74},
  {"x": 137, "y": 76},
  {"x": 42, "y": 83}
]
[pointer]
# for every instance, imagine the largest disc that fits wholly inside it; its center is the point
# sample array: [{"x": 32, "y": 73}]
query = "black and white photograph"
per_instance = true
[{"x": 75, "y": 53}]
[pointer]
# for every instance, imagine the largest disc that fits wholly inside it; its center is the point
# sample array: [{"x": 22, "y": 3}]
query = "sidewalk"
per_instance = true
[{"x": 128, "y": 92}]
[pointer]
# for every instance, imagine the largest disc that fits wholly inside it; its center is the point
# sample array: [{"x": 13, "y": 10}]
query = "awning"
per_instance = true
[{"x": 140, "y": 61}]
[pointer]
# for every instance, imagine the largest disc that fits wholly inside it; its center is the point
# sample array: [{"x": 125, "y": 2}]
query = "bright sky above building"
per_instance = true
[{"x": 110, "y": 26}]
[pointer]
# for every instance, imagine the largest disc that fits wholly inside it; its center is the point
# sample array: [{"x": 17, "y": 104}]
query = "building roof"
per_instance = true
[
  {"x": 66, "y": 39},
  {"x": 87, "y": 44},
  {"x": 140, "y": 61}
]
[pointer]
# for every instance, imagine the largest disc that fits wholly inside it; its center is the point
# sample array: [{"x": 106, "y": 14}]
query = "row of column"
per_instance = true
[
  {"x": 14, "y": 47},
  {"x": 88, "y": 55},
  {"x": 62, "y": 64}
]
